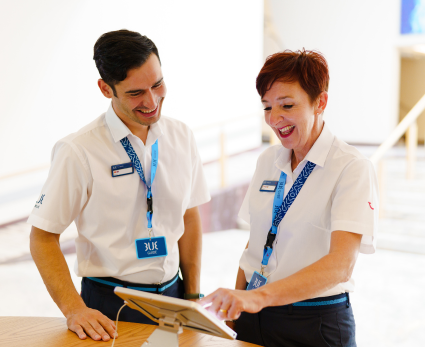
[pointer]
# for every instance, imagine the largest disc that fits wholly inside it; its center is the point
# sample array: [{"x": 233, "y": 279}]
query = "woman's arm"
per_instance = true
[{"x": 326, "y": 273}]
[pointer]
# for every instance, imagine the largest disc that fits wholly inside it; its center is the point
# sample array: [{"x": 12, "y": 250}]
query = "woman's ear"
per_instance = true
[{"x": 322, "y": 102}]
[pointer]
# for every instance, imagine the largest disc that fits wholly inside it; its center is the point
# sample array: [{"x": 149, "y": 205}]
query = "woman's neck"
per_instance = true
[{"x": 298, "y": 155}]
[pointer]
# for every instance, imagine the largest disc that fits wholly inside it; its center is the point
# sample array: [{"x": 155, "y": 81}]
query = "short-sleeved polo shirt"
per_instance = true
[
  {"x": 110, "y": 212},
  {"x": 340, "y": 194}
]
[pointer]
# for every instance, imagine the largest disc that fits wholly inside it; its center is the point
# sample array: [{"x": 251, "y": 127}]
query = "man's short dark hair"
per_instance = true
[{"x": 117, "y": 52}]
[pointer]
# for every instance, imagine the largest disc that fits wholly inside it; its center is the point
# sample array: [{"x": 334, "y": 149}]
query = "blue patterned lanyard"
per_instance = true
[
  {"x": 136, "y": 163},
  {"x": 280, "y": 209}
]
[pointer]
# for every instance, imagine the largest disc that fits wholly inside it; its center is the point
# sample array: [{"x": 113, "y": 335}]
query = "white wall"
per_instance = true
[
  {"x": 48, "y": 81},
  {"x": 359, "y": 39}
]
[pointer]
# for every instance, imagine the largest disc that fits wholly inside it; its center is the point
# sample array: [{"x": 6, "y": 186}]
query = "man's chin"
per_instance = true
[{"x": 142, "y": 120}]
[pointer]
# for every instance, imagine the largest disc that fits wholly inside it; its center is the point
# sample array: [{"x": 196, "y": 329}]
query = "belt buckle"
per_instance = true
[{"x": 157, "y": 289}]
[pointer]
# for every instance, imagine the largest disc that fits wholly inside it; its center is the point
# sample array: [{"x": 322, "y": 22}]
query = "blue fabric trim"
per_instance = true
[
  {"x": 168, "y": 285},
  {"x": 105, "y": 282},
  {"x": 319, "y": 303},
  {"x": 143, "y": 289}
]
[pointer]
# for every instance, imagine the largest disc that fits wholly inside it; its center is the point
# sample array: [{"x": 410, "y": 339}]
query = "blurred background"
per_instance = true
[{"x": 211, "y": 52}]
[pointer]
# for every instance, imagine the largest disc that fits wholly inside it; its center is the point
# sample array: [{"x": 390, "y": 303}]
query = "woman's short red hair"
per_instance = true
[{"x": 308, "y": 68}]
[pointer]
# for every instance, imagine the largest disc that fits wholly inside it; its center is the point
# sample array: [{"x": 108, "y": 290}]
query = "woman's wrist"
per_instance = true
[{"x": 263, "y": 297}]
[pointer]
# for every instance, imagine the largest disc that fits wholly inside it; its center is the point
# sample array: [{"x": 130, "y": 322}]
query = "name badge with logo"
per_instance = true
[
  {"x": 151, "y": 247},
  {"x": 269, "y": 186},
  {"x": 122, "y": 169},
  {"x": 257, "y": 281}
]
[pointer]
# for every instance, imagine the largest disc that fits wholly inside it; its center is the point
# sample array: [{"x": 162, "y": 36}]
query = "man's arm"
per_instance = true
[
  {"x": 190, "y": 247},
  {"x": 54, "y": 271}
]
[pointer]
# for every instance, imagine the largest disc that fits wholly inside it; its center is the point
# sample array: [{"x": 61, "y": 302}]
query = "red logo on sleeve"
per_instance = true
[{"x": 370, "y": 205}]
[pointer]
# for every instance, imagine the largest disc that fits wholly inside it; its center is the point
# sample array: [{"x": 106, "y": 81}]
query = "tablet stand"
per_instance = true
[{"x": 166, "y": 335}]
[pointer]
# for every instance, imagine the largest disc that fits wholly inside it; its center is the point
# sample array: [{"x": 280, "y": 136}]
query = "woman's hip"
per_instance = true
[{"x": 291, "y": 325}]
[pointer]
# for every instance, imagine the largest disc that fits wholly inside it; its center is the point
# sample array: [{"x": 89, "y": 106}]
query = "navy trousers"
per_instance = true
[
  {"x": 101, "y": 297},
  {"x": 287, "y": 326}
]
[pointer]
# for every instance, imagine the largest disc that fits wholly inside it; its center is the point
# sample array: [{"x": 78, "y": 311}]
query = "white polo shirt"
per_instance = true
[
  {"x": 340, "y": 194},
  {"x": 110, "y": 212}
]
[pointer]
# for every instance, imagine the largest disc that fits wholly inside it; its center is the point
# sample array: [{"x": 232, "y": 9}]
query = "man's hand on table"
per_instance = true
[{"x": 86, "y": 321}]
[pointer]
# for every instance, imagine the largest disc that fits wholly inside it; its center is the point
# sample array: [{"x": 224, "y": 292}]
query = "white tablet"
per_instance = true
[{"x": 169, "y": 312}]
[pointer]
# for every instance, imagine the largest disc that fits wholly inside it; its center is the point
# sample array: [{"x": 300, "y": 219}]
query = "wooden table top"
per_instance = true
[{"x": 53, "y": 332}]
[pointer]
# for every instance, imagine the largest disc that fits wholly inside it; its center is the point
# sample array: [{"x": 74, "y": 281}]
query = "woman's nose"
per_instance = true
[{"x": 275, "y": 117}]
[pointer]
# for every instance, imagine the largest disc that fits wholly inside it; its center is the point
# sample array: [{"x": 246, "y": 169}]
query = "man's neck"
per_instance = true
[{"x": 139, "y": 130}]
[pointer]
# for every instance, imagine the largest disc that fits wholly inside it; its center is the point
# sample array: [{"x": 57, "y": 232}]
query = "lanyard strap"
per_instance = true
[
  {"x": 280, "y": 210},
  {"x": 136, "y": 163}
]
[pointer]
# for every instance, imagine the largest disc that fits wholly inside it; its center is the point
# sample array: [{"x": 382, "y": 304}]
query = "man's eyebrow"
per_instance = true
[{"x": 134, "y": 91}]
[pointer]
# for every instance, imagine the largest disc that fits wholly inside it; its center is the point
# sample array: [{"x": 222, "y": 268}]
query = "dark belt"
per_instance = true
[
  {"x": 327, "y": 301},
  {"x": 318, "y": 303},
  {"x": 158, "y": 288}
]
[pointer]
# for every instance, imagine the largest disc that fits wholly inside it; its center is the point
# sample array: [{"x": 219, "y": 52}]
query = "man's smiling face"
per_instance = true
[{"x": 139, "y": 97}]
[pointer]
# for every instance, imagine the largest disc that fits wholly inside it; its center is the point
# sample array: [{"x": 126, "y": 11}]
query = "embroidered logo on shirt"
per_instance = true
[
  {"x": 370, "y": 205},
  {"x": 40, "y": 201}
]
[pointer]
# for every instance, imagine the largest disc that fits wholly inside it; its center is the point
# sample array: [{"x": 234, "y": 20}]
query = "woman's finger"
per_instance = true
[
  {"x": 207, "y": 299},
  {"x": 225, "y": 306}
]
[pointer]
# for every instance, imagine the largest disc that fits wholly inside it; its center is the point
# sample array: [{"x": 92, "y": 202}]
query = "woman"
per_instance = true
[{"x": 312, "y": 206}]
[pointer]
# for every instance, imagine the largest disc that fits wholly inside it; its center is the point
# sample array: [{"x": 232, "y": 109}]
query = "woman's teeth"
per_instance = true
[{"x": 286, "y": 130}]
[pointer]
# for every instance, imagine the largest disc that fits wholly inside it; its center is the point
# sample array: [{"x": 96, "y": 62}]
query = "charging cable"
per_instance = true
[{"x": 116, "y": 324}]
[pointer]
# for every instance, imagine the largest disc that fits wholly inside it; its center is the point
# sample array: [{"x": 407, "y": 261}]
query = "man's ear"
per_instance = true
[{"x": 105, "y": 89}]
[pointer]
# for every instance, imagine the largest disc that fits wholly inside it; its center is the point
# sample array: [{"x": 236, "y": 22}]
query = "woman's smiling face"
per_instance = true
[{"x": 296, "y": 120}]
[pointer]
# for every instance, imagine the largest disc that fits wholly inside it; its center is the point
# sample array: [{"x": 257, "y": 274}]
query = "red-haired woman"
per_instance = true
[{"x": 312, "y": 206}]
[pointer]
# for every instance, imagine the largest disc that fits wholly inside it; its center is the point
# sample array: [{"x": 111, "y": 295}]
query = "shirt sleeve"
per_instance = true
[
  {"x": 244, "y": 211},
  {"x": 65, "y": 192},
  {"x": 199, "y": 191},
  {"x": 355, "y": 203}
]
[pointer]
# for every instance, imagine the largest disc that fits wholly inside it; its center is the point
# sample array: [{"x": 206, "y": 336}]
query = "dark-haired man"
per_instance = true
[{"x": 131, "y": 180}]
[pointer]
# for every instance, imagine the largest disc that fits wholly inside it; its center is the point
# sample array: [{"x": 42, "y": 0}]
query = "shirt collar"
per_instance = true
[
  {"x": 119, "y": 130},
  {"x": 317, "y": 153}
]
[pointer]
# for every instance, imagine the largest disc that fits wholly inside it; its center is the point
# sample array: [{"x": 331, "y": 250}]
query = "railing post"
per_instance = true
[
  {"x": 411, "y": 147},
  {"x": 382, "y": 187},
  {"x": 223, "y": 158}
]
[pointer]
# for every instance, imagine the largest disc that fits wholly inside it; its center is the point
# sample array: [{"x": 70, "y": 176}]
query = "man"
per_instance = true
[{"x": 132, "y": 181}]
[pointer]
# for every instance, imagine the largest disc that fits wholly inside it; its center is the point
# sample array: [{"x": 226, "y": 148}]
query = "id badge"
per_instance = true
[
  {"x": 269, "y": 186},
  {"x": 122, "y": 169},
  {"x": 257, "y": 281},
  {"x": 151, "y": 247}
]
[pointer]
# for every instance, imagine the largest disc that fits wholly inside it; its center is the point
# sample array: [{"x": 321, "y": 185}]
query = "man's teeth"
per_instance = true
[
  {"x": 287, "y": 129},
  {"x": 149, "y": 111}
]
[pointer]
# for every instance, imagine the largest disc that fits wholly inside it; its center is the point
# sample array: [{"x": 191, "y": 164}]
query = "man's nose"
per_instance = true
[{"x": 149, "y": 100}]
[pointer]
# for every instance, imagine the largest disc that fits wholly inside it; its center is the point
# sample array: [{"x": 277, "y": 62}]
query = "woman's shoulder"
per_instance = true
[
  {"x": 270, "y": 154},
  {"x": 349, "y": 157}
]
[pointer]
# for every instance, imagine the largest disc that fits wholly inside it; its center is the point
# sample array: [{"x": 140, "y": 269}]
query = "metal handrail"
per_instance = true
[{"x": 400, "y": 129}]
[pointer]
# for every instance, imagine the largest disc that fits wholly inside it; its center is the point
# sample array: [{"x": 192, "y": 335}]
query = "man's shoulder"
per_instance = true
[
  {"x": 172, "y": 127},
  {"x": 174, "y": 124},
  {"x": 86, "y": 131}
]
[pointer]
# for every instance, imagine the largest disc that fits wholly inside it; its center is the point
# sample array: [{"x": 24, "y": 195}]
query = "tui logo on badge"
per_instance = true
[
  {"x": 257, "y": 281},
  {"x": 151, "y": 247},
  {"x": 154, "y": 246}
]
